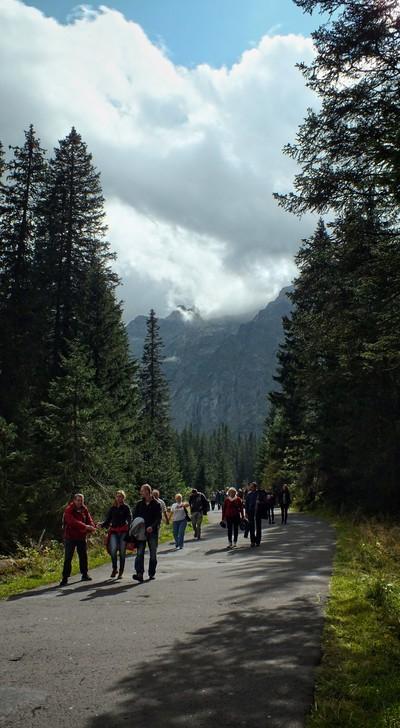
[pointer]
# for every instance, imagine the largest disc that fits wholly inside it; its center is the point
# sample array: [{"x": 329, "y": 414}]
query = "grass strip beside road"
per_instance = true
[
  {"x": 38, "y": 567},
  {"x": 358, "y": 682}
]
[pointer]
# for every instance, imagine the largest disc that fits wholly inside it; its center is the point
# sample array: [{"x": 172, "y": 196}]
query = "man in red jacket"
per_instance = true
[{"x": 77, "y": 524}]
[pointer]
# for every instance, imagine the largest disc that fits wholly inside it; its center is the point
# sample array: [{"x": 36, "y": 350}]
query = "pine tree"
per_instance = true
[
  {"x": 160, "y": 464},
  {"x": 71, "y": 241},
  {"x": 351, "y": 145},
  {"x": 77, "y": 444},
  {"x": 18, "y": 222}
]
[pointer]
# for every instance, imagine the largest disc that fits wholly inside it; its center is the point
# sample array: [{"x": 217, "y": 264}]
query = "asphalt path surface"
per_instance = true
[{"x": 219, "y": 638}]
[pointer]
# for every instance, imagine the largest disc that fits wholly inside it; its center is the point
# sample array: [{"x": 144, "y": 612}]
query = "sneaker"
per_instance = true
[
  {"x": 137, "y": 577},
  {"x": 86, "y": 577},
  {"x": 252, "y": 545},
  {"x": 120, "y": 575},
  {"x": 151, "y": 578},
  {"x": 63, "y": 582},
  {"x": 113, "y": 574},
  {"x": 235, "y": 544}
]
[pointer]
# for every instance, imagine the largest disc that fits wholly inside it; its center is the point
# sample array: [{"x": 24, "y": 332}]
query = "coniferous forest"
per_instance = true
[
  {"x": 77, "y": 411},
  {"x": 333, "y": 429}
]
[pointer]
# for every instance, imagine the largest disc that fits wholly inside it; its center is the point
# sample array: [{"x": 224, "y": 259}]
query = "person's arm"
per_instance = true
[
  {"x": 91, "y": 521},
  {"x": 157, "y": 519},
  {"x": 165, "y": 511},
  {"x": 223, "y": 510},
  {"x": 107, "y": 520},
  {"x": 241, "y": 508}
]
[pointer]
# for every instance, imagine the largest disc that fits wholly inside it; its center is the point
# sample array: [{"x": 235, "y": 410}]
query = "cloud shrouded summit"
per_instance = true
[{"x": 189, "y": 157}]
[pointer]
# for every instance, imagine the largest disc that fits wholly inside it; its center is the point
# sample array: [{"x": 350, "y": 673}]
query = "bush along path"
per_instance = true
[
  {"x": 358, "y": 683},
  {"x": 34, "y": 566}
]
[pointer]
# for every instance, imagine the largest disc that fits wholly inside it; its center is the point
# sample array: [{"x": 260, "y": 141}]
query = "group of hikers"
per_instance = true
[{"x": 241, "y": 510}]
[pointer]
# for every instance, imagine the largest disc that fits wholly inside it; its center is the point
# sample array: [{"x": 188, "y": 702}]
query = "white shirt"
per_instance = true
[{"x": 178, "y": 511}]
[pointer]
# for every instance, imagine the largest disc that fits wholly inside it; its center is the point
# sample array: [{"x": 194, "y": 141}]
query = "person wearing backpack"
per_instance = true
[{"x": 199, "y": 507}]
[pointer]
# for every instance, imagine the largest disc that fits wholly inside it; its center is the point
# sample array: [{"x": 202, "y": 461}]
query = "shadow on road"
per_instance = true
[
  {"x": 249, "y": 667},
  {"x": 244, "y": 670}
]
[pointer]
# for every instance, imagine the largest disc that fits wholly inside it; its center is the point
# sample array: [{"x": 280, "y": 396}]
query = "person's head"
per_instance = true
[
  {"x": 252, "y": 487},
  {"x": 232, "y": 493},
  {"x": 178, "y": 498},
  {"x": 156, "y": 493},
  {"x": 145, "y": 491},
  {"x": 79, "y": 500},
  {"x": 194, "y": 491},
  {"x": 285, "y": 486},
  {"x": 120, "y": 497}
]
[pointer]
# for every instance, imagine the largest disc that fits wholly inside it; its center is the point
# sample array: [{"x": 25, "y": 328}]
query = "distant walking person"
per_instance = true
[
  {"x": 77, "y": 524},
  {"x": 164, "y": 511},
  {"x": 150, "y": 510},
  {"x": 199, "y": 507},
  {"x": 284, "y": 502},
  {"x": 213, "y": 499},
  {"x": 232, "y": 514},
  {"x": 179, "y": 512},
  {"x": 251, "y": 508},
  {"x": 118, "y": 521},
  {"x": 270, "y": 506}
]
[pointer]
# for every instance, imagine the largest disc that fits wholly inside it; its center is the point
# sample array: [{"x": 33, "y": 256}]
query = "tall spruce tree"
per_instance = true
[
  {"x": 18, "y": 227},
  {"x": 71, "y": 241},
  {"x": 160, "y": 465},
  {"x": 77, "y": 443},
  {"x": 334, "y": 421}
]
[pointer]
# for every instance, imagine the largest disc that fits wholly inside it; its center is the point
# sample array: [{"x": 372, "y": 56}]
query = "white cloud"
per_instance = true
[{"x": 189, "y": 157}]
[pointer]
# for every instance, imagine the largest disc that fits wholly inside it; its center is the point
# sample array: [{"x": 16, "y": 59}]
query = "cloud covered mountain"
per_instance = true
[{"x": 219, "y": 370}]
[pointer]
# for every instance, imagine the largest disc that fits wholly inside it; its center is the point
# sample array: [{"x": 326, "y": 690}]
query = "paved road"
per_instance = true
[{"x": 220, "y": 638}]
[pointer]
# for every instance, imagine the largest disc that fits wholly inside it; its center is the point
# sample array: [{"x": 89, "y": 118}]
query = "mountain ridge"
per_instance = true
[{"x": 219, "y": 370}]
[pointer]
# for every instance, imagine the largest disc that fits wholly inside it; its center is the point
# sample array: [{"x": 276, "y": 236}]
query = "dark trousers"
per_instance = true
[
  {"x": 81, "y": 548},
  {"x": 271, "y": 515},
  {"x": 213, "y": 504},
  {"x": 152, "y": 542},
  {"x": 232, "y": 525},
  {"x": 255, "y": 528},
  {"x": 284, "y": 511}
]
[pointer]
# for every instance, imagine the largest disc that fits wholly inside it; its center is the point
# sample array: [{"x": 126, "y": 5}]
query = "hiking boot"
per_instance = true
[
  {"x": 120, "y": 574},
  {"x": 113, "y": 574},
  {"x": 63, "y": 582},
  {"x": 137, "y": 577},
  {"x": 86, "y": 577},
  {"x": 151, "y": 578}
]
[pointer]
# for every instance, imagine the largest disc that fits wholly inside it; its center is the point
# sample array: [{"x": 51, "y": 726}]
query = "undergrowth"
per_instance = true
[{"x": 358, "y": 682}]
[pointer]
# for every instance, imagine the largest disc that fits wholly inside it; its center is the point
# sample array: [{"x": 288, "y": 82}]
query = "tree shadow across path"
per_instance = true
[{"x": 246, "y": 669}]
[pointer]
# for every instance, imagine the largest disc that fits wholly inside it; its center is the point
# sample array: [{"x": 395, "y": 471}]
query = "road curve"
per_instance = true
[{"x": 220, "y": 638}]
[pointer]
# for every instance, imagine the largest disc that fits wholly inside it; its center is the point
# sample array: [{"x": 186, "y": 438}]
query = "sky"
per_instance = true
[{"x": 185, "y": 105}]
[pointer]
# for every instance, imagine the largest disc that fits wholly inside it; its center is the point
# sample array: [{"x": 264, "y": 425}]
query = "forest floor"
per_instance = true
[
  {"x": 228, "y": 637},
  {"x": 358, "y": 682}
]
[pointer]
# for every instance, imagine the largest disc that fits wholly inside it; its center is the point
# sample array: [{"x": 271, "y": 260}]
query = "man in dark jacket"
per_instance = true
[
  {"x": 256, "y": 510},
  {"x": 199, "y": 507},
  {"x": 77, "y": 524},
  {"x": 150, "y": 510}
]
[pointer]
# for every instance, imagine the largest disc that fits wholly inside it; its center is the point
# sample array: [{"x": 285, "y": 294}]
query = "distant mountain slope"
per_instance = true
[{"x": 218, "y": 370}]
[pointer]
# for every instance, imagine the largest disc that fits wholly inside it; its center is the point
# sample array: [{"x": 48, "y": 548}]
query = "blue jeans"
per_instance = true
[
  {"x": 178, "y": 528},
  {"x": 115, "y": 544},
  {"x": 152, "y": 542}
]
